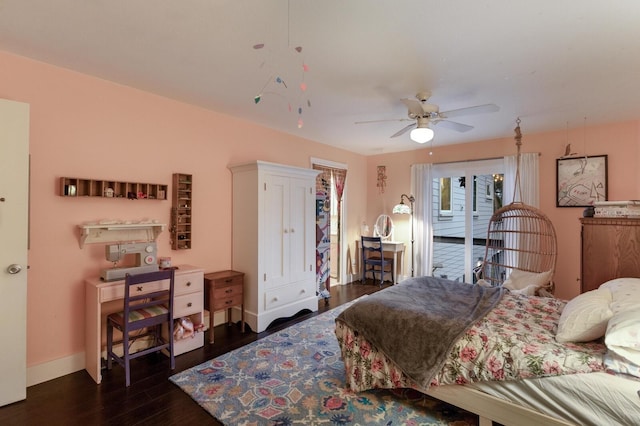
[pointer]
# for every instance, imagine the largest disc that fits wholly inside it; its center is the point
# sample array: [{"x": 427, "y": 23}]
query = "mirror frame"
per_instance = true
[{"x": 383, "y": 223}]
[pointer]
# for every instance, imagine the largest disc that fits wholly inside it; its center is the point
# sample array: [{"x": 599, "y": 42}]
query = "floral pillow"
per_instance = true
[{"x": 585, "y": 317}]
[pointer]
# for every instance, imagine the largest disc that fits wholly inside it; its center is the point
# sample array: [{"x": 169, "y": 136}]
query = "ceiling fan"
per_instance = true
[{"x": 423, "y": 114}]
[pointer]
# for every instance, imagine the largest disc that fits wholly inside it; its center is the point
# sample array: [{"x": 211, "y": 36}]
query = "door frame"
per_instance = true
[{"x": 342, "y": 273}]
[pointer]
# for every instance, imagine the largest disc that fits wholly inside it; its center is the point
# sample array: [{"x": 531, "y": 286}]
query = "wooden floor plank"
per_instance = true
[{"x": 152, "y": 399}]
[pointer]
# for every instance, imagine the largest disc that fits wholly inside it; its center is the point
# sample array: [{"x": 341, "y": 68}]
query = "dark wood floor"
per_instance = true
[{"x": 75, "y": 399}]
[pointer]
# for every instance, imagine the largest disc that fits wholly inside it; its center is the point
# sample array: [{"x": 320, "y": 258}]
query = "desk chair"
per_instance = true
[
  {"x": 146, "y": 312},
  {"x": 373, "y": 257}
]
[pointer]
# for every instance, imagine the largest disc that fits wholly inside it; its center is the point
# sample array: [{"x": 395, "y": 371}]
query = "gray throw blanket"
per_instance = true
[{"x": 416, "y": 322}]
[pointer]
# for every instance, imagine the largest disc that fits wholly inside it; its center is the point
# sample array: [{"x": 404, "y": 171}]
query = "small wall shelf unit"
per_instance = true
[
  {"x": 110, "y": 233},
  {"x": 181, "y": 211},
  {"x": 80, "y": 187}
]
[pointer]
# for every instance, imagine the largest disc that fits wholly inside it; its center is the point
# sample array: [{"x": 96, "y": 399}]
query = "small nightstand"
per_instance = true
[{"x": 225, "y": 290}]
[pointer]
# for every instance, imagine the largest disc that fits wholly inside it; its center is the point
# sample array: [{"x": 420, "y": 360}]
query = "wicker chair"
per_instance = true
[{"x": 519, "y": 237}]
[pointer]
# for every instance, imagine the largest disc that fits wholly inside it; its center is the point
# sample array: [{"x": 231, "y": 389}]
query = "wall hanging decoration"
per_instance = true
[
  {"x": 581, "y": 181},
  {"x": 382, "y": 178},
  {"x": 284, "y": 68}
]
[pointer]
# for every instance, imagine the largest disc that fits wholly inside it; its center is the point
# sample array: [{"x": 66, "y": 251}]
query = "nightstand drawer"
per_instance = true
[
  {"x": 227, "y": 292},
  {"x": 228, "y": 302},
  {"x": 228, "y": 281}
]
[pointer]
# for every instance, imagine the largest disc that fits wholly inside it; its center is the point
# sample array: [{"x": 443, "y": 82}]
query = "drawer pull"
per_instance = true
[
  {"x": 188, "y": 284},
  {"x": 139, "y": 288},
  {"x": 229, "y": 290},
  {"x": 228, "y": 302},
  {"x": 189, "y": 305},
  {"x": 228, "y": 280}
]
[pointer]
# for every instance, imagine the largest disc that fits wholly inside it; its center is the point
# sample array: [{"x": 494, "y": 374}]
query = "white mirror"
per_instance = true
[{"x": 383, "y": 227}]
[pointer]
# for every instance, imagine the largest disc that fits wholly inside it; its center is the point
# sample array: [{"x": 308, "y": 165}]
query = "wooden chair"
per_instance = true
[
  {"x": 373, "y": 259},
  {"x": 145, "y": 311}
]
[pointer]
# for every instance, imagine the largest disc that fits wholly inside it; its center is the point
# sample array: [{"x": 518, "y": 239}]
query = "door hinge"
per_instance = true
[
  {"x": 265, "y": 277},
  {"x": 265, "y": 186}
]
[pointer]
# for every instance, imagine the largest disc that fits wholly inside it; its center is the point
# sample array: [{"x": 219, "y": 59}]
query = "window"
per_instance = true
[
  {"x": 445, "y": 196},
  {"x": 459, "y": 235}
]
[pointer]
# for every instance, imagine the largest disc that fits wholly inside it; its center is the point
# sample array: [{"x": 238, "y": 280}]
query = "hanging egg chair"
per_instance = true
[{"x": 520, "y": 239}]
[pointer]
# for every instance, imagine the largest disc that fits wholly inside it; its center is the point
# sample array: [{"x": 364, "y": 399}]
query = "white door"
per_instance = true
[
  {"x": 464, "y": 199},
  {"x": 14, "y": 197},
  {"x": 302, "y": 221},
  {"x": 276, "y": 230}
]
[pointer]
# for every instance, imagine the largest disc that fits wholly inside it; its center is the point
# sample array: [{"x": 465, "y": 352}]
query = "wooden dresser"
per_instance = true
[
  {"x": 225, "y": 290},
  {"x": 610, "y": 249}
]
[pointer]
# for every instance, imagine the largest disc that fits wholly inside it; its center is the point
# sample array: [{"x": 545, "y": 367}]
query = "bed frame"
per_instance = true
[{"x": 490, "y": 408}]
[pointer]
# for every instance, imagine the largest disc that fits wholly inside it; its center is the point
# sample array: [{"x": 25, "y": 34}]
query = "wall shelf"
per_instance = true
[
  {"x": 181, "y": 211},
  {"x": 111, "y": 233},
  {"x": 80, "y": 187}
]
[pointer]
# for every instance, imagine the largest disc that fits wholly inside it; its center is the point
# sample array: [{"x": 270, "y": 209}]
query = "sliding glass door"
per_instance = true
[{"x": 465, "y": 195}]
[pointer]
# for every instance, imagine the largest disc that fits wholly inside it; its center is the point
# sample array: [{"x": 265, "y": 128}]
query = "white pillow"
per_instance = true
[
  {"x": 625, "y": 292},
  {"x": 522, "y": 279},
  {"x": 585, "y": 317},
  {"x": 623, "y": 335}
]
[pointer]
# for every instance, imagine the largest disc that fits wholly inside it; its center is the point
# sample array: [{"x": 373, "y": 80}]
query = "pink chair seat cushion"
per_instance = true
[{"x": 140, "y": 314}]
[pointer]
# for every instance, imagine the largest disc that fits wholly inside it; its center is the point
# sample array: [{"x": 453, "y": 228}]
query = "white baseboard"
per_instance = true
[{"x": 53, "y": 369}]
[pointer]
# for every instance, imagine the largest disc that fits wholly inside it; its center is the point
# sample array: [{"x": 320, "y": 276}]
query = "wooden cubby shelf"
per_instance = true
[
  {"x": 181, "y": 211},
  {"x": 79, "y": 187}
]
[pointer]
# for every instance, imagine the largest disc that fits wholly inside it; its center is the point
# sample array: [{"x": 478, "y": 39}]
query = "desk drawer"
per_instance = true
[
  {"x": 227, "y": 302},
  {"x": 116, "y": 291},
  {"x": 187, "y": 304},
  {"x": 188, "y": 283}
]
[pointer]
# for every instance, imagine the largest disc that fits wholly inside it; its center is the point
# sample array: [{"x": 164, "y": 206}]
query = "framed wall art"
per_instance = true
[{"x": 581, "y": 181}]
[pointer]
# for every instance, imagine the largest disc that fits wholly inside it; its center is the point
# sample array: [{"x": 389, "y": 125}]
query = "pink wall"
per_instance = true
[
  {"x": 85, "y": 127},
  {"x": 621, "y": 142},
  {"x": 82, "y": 126}
]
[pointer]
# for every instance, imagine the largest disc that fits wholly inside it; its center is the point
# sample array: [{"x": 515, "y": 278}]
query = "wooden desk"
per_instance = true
[
  {"x": 395, "y": 248},
  {"x": 104, "y": 298},
  {"x": 225, "y": 289}
]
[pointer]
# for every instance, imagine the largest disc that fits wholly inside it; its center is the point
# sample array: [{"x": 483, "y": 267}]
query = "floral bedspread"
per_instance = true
[{"x": 516, "y": 340}]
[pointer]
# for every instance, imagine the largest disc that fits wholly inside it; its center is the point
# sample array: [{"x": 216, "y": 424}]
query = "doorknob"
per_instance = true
[{"x": 14, "y": 268}]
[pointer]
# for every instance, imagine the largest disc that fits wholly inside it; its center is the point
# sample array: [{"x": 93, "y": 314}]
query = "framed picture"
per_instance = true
[{"x": 581, "y": 181}]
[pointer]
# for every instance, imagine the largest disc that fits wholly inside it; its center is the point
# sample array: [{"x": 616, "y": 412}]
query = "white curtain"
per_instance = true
[
  {"x": 527, "y": 192},
  {"x": 422, "y": 190}
]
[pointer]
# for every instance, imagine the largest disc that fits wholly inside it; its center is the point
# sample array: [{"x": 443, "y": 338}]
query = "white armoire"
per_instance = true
[{"x": 274, "y": 240}]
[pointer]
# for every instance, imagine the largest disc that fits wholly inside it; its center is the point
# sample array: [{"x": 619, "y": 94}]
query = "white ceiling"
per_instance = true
[{"x": 552, "y": 63}]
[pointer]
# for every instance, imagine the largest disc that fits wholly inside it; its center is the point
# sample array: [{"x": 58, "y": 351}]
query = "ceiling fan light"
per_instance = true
[{"x": 421, "y": 134}]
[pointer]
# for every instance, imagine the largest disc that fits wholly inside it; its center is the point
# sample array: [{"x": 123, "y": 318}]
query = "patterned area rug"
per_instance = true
[{"x": 296, "y": 376}]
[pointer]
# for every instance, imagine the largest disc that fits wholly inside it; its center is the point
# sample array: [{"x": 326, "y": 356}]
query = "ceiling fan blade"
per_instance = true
[
  {"x": 478, "y": 109},
  {"x": 414, "y": 106},
  {"x": 404, "y": 130},
  {"x": 383, "y": 121},
  {"x": 459, "y": 127}
]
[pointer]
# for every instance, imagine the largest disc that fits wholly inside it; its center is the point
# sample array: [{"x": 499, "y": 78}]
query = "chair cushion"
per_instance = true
[{"x": 140, "y": 314}]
